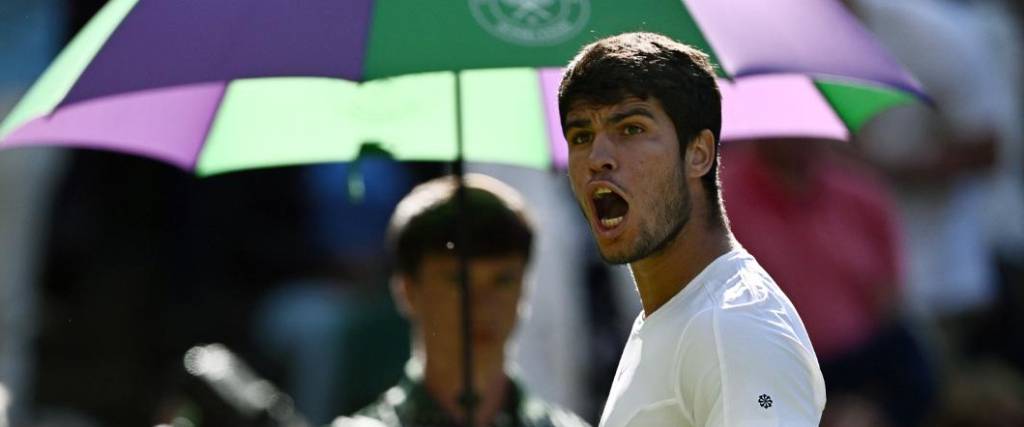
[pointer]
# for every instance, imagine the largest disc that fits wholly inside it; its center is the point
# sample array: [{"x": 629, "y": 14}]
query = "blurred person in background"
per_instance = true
[
  {"x": 824, "y": 227},
  {"x": 956, "y": 169},
  {"x": 425, "y": 284}
]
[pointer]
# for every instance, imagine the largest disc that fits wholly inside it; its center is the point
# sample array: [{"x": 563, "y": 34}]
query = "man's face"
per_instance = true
[
  {"x": 625, "y": 169},
  {"x": 434, "y": 302}
]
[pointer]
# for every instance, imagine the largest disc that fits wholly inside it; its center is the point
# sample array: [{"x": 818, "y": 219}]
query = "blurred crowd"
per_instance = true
[{"x": 903, "y": 251}]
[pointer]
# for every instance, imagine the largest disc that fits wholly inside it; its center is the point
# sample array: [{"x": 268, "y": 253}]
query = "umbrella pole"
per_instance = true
[{"x": 468, "y": 398}]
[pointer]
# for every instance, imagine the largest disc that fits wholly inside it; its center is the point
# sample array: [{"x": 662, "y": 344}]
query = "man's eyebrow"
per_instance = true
[
  {"x": 613, "y": 119},
  {"x": 636, "y": 111}
]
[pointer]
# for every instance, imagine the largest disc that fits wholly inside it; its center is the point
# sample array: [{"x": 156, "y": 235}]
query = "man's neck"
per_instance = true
[
  {"x": 443, "y": 380},
  {"x": 661, "y": 276}
]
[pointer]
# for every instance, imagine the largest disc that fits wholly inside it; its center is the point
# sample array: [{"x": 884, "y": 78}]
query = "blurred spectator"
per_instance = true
[
  {"x": 825, "y": 229},
  {"x": 312, "y": 324},
  {"x": 956, "y": 169},
  {"x": 424, "y": 231}
]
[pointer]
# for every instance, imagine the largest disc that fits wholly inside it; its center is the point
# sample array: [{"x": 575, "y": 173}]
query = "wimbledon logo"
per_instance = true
[{"x": 532, "y": 22}]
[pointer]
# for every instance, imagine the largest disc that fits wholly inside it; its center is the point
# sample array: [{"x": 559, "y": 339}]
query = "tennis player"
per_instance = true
[{"x": 717, "y": 343}]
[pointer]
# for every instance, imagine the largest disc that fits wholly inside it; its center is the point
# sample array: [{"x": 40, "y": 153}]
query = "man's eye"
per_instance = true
[
  {"x": 580, "y": 138},
  {"x": 632, "y": 130}
]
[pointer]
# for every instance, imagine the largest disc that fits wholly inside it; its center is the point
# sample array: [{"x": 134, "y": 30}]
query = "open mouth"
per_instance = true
[{"x": 610, "y": 207}]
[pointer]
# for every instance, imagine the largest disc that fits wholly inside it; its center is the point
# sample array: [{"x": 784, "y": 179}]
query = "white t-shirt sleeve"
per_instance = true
[{"x": 737, "y": 367}]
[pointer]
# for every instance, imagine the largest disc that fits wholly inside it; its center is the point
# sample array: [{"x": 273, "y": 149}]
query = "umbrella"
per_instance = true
[
  {"x": 214, "y": 87},
  {"x": 217, "y": 86},
  {"x": 509, "y": 116}
]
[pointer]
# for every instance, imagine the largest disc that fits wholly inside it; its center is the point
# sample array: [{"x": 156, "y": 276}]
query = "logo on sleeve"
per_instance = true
[{"x": 765, "y": 401}]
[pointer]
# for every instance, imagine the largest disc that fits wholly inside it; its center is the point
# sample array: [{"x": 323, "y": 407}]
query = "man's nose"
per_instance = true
[{"x": 602, "y": 154}]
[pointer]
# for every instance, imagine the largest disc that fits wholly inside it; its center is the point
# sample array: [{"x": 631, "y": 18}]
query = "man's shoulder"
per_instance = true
[
  {"x": 734, "y": 286},
  {"x": 741, "y": 284},
  {"x": 747, "y": 299}
]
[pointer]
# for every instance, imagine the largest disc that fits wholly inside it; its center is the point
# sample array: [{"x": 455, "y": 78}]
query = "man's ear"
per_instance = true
[
  {"x": 400, "y": 293},
  {"x": 700, "y": 154}
]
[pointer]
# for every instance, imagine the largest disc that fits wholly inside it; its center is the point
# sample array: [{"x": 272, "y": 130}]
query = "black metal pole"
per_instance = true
[{"x": 468, "y": 398}]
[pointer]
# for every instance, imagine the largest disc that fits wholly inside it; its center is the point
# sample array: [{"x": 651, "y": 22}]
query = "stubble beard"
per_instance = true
[{"x": 669, "y": 220}]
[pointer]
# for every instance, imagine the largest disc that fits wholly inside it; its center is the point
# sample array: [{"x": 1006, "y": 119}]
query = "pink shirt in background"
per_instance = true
[{"x": 831, "y": 245}]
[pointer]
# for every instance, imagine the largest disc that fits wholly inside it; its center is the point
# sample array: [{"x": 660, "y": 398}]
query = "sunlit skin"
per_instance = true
[
  {"x": 616, "y": 147},
  {"x": 632, "y": 148},
  {"x": 431, "y": 300}
]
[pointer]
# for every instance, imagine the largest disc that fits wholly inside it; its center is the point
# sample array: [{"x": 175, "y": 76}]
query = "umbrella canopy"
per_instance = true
[
  {"x": 509, "y": 116},
  {"x": 228, "y": 85}
]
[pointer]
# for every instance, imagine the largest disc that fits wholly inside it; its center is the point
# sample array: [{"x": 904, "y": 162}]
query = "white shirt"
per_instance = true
[{"x": 727, "y": 350}]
